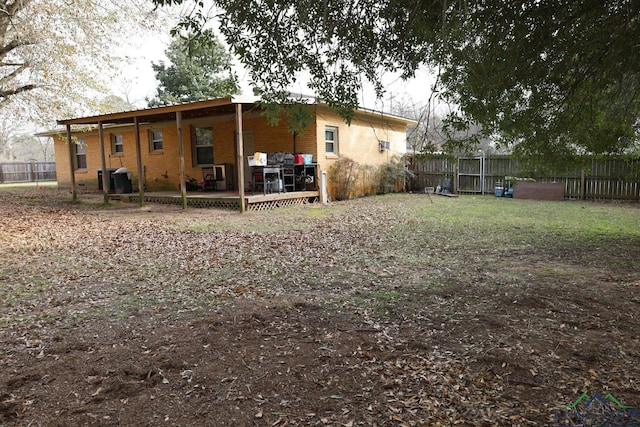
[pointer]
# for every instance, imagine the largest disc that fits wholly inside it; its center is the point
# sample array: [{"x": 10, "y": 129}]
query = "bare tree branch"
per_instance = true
[
  {"x": 7, "y": 93},
  {"x": 19, "y": 69},
  {"x": 12, "y": 45}
]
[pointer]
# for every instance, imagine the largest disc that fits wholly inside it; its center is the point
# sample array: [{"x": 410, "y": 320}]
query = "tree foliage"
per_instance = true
[
  {"x": 199, "y": 68},
  {"x": 26, "y": 147},
  {"x": 552, "y": 79},
  {"x": 57, "y": 57},
  {"x": 546, "y": 77}
]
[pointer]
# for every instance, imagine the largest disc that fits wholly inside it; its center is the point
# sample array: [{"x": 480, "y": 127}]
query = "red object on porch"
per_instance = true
[{"x": 298, "y": 159}]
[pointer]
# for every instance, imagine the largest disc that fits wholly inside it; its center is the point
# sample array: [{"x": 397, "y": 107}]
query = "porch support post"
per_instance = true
[
  {"x": 105, "y": 178},
  {"x": 183, "y": 187},
  {"x": 240, "y": 157},
  {"x": 136, "y": 124},
  {"x": 72, "y": 172}
]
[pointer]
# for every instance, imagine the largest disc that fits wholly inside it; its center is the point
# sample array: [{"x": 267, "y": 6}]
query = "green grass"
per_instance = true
[
  {"x": 378, "y": 303},
  {"x": 578, "y": 219}
]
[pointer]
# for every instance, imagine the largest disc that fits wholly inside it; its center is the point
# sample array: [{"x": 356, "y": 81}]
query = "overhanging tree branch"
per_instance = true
[
  {"x": 10, "y": 92},
  {"x": 523, "y": 70},
  {"x": 12, "y": 45},
  {"x": 19, "y": 68}
]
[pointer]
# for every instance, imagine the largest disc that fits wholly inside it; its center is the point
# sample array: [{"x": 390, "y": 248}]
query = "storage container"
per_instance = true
[
  {"x": 307, "y": 159},
  {"x": 258, "y": 159}
]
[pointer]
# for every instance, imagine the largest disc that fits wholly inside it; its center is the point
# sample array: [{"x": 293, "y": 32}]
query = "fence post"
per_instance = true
[
  {"x": 34, "y": 172},
  {"x": 483, "y": 172},
  {"x": 456, "y": 177},
  {"x": 74, "y": 192}
]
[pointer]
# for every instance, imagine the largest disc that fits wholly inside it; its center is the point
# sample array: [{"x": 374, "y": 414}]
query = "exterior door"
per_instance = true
[{"x": 471, "y": 175}]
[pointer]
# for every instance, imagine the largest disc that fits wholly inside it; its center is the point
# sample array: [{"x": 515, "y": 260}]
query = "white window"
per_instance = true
[
  {"x": 117, "y": 143},
  {"x": 202, "y": 142},
  {"x": 80, "y": 154},
  {"x": 155, "y": 140},
  {"x": 331, "y": 140}
]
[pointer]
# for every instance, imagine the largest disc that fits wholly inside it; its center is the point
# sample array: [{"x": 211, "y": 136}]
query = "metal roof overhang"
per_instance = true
[{"x": 191, "y": 110}]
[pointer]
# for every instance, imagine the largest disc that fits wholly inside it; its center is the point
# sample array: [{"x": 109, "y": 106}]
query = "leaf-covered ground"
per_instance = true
[{"x": 398, "y": 310}]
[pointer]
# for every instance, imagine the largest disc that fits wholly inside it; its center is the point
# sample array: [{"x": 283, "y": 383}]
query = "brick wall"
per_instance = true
[{"x": 358, "y": 141}]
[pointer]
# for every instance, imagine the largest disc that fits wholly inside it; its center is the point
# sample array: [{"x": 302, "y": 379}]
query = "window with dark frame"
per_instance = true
[
  {"x": 331, "y": 140},
  {"x": 80, "y": 154},
  {"x": 202, "y": 142},
  {"x": 117, "y": 143},
  {"x": 155, "y": 140}
]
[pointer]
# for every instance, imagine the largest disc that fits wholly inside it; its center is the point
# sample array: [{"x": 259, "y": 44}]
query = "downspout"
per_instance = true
[
  {"x": 139, "y": 158},
  {"x": 105, "y": 179},
  {"x": 183, "y": 187},
  {"x": 240, "y": 157},
  {"x": 74, "y": 194}
]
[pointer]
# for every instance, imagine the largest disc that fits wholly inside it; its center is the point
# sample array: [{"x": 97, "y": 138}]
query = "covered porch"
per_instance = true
[
  {"x": 225, "y": 200},
  {"x": 184, "y": 145}
]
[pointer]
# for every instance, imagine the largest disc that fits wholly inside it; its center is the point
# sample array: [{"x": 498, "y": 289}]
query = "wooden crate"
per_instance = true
[{"x": 539, "y": 190}]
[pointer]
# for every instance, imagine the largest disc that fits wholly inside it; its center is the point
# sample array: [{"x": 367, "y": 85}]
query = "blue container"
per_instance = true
[{"x": 499, "y": 191}]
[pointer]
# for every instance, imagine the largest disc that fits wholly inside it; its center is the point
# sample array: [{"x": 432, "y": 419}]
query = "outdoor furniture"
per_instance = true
[
  {"x": 208, "y": 179},
  {"x": 305, "y": 176},
  {"x": 267, "y": 177}
]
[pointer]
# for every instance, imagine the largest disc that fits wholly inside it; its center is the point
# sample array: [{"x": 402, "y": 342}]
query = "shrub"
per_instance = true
[
  {"x": 349, "y": 179},
  {"x": 393, "y": 176},
  {"x": 343, "y": 174}
]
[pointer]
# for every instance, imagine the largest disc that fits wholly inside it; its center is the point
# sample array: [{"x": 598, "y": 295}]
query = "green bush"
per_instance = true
[{"x": 393, "y": 176}]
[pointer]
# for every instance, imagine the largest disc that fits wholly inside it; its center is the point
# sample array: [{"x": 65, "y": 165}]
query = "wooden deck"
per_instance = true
[{"x": 226, "y": 200}]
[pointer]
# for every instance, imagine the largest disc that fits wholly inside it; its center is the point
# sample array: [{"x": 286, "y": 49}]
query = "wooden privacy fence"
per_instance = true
[
  {"x": 27, "y": 172},
  {"x": 600, "y": 178}
]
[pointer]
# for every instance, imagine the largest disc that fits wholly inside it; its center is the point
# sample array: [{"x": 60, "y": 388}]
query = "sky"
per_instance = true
[{"x": 137, "y": 82}]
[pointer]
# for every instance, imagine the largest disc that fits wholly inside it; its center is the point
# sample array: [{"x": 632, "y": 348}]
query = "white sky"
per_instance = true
[{"x": 138, "y": 82}]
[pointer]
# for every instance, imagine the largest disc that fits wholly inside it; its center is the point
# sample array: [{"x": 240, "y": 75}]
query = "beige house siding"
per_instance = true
[
  {"x": 360, "y": 139},
  {"x": 161, "y": 169}
]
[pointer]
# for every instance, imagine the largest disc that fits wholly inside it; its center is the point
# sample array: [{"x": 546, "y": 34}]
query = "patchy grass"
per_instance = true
[{"x": 383, "y": 310}]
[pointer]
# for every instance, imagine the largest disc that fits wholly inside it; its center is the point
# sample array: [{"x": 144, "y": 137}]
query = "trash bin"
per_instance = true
[
  {"x": 446, "y": 186},
  {"x": 122, "y": 181},
  {"x": 111, "y": 185}
]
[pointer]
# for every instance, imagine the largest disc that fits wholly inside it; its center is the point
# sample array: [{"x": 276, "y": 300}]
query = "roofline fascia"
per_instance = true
[{"x": 174, "y": 108}]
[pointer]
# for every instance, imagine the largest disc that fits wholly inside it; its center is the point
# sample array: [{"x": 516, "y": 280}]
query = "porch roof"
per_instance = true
[
  {"x": 189, "y": 110},
  {"x": 196, "y": 109}
]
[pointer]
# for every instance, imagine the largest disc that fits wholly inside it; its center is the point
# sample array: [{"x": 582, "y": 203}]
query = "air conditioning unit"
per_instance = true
[{"x": 384, "y": 145}]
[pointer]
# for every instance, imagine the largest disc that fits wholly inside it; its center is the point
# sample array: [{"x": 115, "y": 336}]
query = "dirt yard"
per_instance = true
[{"x": 384, "y": 311}]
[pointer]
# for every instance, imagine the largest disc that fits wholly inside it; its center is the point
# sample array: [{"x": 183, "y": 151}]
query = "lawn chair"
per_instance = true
[{"x": 208, "y": 179}]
